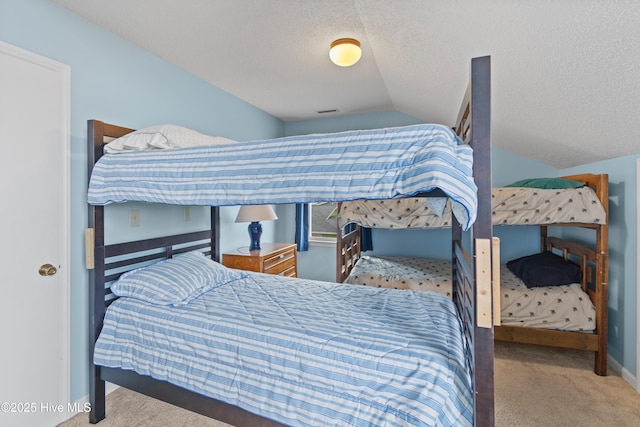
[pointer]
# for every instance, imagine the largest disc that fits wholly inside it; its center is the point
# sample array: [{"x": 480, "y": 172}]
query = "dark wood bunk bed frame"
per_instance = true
[
  {"x": 593, "y": 261},
  {"x": 473, "y": 274}
]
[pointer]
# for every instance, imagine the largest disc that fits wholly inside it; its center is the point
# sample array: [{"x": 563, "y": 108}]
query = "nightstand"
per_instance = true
[{"x": 273, "y": 258}]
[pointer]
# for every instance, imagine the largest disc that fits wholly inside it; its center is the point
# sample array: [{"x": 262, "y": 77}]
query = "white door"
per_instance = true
[{"x": 34, "y": 225}]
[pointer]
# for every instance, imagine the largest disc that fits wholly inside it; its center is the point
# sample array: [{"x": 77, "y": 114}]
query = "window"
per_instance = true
[{"x": 324, "y": 222}]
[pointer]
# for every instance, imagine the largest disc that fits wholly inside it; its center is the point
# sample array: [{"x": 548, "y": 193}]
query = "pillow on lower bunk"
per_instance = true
[
  {"x": 175, "y": 281},
  {"x": 547, "y": 183},
  {"x": 162, "y": 137},
  {"x": 545, "y": 269}
]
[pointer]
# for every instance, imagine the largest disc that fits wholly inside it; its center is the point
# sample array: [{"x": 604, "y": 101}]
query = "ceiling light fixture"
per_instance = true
[{"x": 345, "y": 52}]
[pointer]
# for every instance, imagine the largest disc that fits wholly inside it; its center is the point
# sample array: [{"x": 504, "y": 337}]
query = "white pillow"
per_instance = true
[{"x": 162, "y": 137}]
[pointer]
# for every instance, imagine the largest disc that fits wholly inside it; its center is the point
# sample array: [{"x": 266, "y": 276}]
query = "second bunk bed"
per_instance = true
[{"x": 569, "y": 311}]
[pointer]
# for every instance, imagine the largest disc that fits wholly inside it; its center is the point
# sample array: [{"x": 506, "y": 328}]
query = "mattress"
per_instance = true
[
  {"x": 565, "y": 307},
  {"x": 369, "y": 164},
  {"x": 397, "y": 272},
  {"x": 302, "y": 352},
  {"x": 510, "y": 206}
]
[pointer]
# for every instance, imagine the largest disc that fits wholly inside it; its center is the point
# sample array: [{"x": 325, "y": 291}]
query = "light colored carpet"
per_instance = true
[
  {"x": 541, "y": 386},
  {"x": 534, "y": 387}
]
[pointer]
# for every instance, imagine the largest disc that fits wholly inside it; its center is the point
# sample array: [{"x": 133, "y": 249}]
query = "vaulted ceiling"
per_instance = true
[{"x": 566, "y": 85}]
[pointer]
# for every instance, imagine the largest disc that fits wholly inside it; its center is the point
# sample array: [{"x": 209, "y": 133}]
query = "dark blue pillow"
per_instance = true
[{"x": 545, "y": 269}]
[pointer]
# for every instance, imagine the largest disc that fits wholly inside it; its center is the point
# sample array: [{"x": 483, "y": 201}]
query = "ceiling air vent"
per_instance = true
[{"x": 333, "y": 110}]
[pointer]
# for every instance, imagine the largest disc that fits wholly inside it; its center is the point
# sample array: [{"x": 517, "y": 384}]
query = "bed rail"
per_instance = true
[{"x": 348, "y": 252}]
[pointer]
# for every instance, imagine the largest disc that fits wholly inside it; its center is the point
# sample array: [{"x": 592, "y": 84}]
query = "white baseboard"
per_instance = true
[
  {"x": 110, "y": 387},
  {"x": 625, "y": 374}
]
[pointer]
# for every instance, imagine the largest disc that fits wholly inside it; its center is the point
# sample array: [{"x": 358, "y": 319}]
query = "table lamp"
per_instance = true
[{"x": 253, "y": 214}]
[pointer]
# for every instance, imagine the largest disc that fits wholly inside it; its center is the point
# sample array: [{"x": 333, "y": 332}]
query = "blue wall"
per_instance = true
[
  {"x": 115, "y": 81},
  {"x": 623, "y": 255}
]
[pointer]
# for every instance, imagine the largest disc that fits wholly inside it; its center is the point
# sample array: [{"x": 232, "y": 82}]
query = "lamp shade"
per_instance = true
[
  {"x": 252, "y": 213},
  {"x": 345, "y": 52}
]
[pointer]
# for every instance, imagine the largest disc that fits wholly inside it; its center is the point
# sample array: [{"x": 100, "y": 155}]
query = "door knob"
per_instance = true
[{"x": 47, "y": 270}]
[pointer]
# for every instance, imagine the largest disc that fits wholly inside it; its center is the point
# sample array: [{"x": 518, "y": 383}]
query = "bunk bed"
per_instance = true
[
  {"x": 570, "y": 315},
  {"x": 241, "y": 381}
]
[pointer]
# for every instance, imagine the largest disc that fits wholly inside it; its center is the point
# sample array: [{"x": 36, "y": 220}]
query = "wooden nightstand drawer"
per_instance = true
[
  {"x": 280, "y": 260},
  {"x": 290, "y": 272},
  {"x": 280, "y": 265},
  {"x": 273, "y": 258}
]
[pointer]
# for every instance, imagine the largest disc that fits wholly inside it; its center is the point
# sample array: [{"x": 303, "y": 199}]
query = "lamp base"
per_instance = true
[{"x": 255, "y": 231}]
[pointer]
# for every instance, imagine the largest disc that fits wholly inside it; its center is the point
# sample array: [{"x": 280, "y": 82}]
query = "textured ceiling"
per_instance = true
[{"x": 566, "y": 86}]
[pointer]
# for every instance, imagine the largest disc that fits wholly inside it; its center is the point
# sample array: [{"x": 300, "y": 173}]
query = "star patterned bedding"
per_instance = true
[
  {"x": 397, "y": 272},
  {"x": 301, "y": 352},
  {"x": 565, "y": 307},
  {"x": 510, "y": 206}
]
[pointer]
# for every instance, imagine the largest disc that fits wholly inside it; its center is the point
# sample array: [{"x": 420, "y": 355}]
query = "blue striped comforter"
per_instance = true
[
  {"x": 302, "y": 352},
  {"x": 354, "y": 165}
]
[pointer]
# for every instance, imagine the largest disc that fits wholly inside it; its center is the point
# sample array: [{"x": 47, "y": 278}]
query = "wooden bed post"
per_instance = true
[
  {"x": 215, "y": 234},
  {"x": 482, "y": 232},
  {"x": 339, "y": 264},
  {"x": 96, "y": 302},
  {"x": 96, "y": 131},
  {"x": 600, "y": 282},
  {"x": 476, "y": 306}
]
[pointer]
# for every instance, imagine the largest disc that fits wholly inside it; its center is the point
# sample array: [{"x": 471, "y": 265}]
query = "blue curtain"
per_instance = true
[
  {"x": 302, "y": 226},
  {"x": 366, "y": 241}
]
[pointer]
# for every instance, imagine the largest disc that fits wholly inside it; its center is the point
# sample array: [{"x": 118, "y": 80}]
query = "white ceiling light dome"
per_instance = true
[{"x": 345, "y": 52}]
